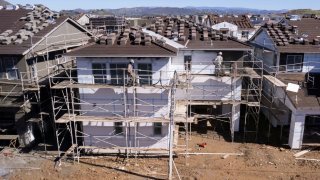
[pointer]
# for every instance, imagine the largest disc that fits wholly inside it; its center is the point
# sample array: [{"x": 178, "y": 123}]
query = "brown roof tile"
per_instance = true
[
  {"x": 198, "y": 42},
  {"x": 128, "y": 50},
  {"x": 301, "y": 41},
  {"x": 10, "y": 19},
  {"x": 240, "y": 21}
]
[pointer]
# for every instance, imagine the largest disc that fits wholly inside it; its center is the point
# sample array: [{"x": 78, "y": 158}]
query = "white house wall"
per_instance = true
[
  {"x": 264, "y": 40},
  {"x": 233, "y": 29},
  {"x": 84, "y": 20},
  {"x": 239, "y": 34},
  {"x": 202, "y": 61},
  {"x": 311, "y": 63},
  {"x": 212, "y": 88},
  {"x": 103, "y": 135},
  {"x": 268, "y": 58}
]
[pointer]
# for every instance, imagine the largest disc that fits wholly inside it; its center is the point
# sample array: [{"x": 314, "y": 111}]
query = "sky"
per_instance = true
[{"x": 113, "y": 4}]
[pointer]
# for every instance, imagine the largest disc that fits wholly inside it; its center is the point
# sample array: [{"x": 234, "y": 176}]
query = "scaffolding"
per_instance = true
[
  {"x": 68, "y": 117},
  {"x": 35, "y": 82}
]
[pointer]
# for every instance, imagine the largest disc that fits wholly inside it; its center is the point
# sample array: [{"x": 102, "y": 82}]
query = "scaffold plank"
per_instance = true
[
  {"x": 66, "y": 118},
  {"x": 68, "y": 84},
  {"x": 275, "y": 81}
]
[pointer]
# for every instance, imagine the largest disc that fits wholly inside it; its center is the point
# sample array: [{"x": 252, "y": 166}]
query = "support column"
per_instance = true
[
  {"x": 296, "y": 131},
  {"x": 236, "y": 117}
]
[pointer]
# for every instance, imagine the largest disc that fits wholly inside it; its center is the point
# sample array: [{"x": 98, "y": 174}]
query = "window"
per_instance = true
[
  {"x": 245, "y": 34},
  {"x": 187, "y": 63},
  {"x": 118, "y": 129},
  {"x": 8, "y": 70},
  {"x": 157, "y": 129},
  {"x": 294, "y": 63},
  {"x": 145, "y": 73},
  {"x": 117, "y": 71},
  {"x": 99, "y": 72}
]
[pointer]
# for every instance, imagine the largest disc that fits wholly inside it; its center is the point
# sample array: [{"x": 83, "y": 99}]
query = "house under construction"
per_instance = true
[{"x": 103, "y": 109}]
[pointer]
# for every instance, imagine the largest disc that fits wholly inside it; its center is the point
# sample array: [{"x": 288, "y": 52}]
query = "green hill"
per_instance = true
[{"x": 304, "y": 11}]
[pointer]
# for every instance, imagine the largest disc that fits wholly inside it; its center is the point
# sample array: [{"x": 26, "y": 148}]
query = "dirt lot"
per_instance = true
[{"x": 257, "y": 162}]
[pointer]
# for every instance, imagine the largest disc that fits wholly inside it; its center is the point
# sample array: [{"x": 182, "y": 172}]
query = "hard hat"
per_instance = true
[
  {"x": 220, "y": 53},
  {"x": 131, "y": 61}
]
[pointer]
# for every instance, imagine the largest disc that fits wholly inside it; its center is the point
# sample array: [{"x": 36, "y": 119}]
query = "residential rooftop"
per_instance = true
[
  {"x": 195, "y": 36},
  {"x": 301, "y": 36},
  {"x": 242, "y": 21},
  {"x": 20, "y": 29}
]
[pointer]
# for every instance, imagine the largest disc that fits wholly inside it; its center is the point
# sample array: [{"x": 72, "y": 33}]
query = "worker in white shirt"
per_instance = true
[
  {"x": 218, "y": 64},
  {"x": 131, "y": 74}
]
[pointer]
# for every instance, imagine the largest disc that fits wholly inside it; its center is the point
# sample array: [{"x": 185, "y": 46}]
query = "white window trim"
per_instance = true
[{"x": 294, "y": 64}]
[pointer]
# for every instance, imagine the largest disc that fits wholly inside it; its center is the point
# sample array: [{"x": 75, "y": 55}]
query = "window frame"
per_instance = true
[
  {"x": 292, "y": 67},
  {"x": 187, "y": 59},
  {"x": 118, "y": 128},
  {"x": 245, "y": 34},
  {"x": 101, "y": 77},
  {"x": 157, "y": 129},
  {"x": 9, "y": 66},
  {"x": 117, "y": 78},
  {"x": 145, "y": 75}
]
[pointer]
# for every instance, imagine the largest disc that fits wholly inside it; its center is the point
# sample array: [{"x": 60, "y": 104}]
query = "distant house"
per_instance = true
[
  {"x": 107, "y": 23},
  {"x": 31, "y": 44},
  {"x": 82, "y": 19},
  {"x": 290, "y": 51},
  {"x": 239, "y": 27}
]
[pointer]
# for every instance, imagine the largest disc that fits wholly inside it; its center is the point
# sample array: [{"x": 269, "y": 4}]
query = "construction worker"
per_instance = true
[
  {"x": 218, "y": 64},
  {"x": 131, "y": 74}
]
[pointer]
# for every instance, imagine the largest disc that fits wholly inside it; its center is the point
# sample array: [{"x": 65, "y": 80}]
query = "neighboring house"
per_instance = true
[
  {"x": 239, "y": 27},
  {"x": 82, "y": 19},
  {"x": 107, "y": 103},
  {"x": 107, "y": 24},
  {"x": 31, "y": 42},
  {"x": 290, "y": 52}
]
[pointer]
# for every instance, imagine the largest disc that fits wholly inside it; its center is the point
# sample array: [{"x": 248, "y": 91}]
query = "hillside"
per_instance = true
[
  {"x": 304, "y": 11},
  {"x": 4, "y": 3},
  {"x": 151, "y": 11}
]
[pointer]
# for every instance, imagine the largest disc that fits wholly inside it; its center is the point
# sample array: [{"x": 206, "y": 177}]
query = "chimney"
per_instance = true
[
  {"x": 137, "y": 41},
  {"x": 182, "y": 38},
  {"x": 297, "y": 41},
  {"x": 295, "y": 29},
  {"x": 123, "y": 41},
  {"x": 111, "y": 39},
  {"x": 147, "y": 41},
  {"x": 224, "y": 37},
  {"x": 103, "y": 40}
]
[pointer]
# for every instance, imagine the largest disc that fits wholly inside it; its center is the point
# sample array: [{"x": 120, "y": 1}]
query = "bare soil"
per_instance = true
[{"x": 257, "y": 162}]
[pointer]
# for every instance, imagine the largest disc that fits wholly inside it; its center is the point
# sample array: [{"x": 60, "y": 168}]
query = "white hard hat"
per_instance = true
[
  {"x": 132, "y": 61},
  {"x": 220, "y": 53}
]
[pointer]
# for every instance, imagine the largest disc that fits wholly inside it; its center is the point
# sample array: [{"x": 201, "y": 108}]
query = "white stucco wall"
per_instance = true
[
  {"x": 311, "y": 62},
  {"x": 212, "y": 88},
  {"x": 264, "y": 40},
  {"x": 233, "y": 29},
  {"x": 201, "y": 61},
  {"x": 84, "y": 20},
  {"x": 103, "y": 135}
]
